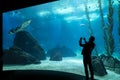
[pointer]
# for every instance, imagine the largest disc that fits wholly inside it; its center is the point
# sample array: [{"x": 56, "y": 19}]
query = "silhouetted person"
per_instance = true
[{"x": 86, "y": 52}]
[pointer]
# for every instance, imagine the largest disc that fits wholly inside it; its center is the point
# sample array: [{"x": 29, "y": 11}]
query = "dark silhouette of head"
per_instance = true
[{"x": 91, "y": 39}]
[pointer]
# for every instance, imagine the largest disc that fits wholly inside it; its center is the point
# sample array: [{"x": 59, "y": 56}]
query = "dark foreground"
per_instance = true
[{"x": 39, "y": 75}]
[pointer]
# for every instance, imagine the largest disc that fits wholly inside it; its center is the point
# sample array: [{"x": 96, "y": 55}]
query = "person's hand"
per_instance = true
[{"x": 80, "y": 38}]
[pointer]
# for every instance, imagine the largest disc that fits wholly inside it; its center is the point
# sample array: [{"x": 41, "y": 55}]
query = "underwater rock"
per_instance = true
[
  {"x": 16, "y": 55},
  {"x": 117, "y": 67},
  {"x": 111, "y": 63},
  {"x": 103, "y": 57},
  {"x": 108, "y": 62},
  {"x": 98, "y": 66},
  {"x": 26, "y": 42},
  {"x": 56, "y": 56},
  {"x": 64, "y": 51}
]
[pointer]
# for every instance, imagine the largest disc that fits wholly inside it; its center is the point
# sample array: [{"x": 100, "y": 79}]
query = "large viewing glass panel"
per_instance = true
[{"x": 59, "y": 25}]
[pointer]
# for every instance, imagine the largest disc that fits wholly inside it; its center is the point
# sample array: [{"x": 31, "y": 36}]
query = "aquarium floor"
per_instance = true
[{"x": 69, "y": 64}]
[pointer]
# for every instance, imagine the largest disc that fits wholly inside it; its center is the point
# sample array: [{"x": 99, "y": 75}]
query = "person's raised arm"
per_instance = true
[
  {"x": 80, "y": 42},
  {"x": 85, "y": 40}
]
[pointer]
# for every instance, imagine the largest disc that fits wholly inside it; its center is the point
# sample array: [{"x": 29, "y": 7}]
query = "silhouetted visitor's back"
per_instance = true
[{"x": 86, "y": 52}]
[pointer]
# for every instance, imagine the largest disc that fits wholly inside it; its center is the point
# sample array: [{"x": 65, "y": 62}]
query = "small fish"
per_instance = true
[
  {"x": 20, "y": 28},
  {"x": 82, "y": 25}
]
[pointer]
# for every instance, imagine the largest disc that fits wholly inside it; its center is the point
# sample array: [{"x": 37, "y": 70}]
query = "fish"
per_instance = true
[
  {"x": 21, "y": 27},
  {"x": 82, "y": 25}
]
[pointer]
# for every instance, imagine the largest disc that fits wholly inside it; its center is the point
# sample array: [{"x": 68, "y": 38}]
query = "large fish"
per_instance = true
[{"x": 20, "y": 28}]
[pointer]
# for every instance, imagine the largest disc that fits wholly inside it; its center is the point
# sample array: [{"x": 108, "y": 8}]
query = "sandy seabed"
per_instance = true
[{"x": 68, "y": 64}]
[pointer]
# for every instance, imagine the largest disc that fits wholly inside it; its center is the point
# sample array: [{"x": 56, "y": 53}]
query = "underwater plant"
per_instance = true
[
  {"x": 103, "y": 27},
  {"x": 110, "y": 29},
  {"x": 89, "y": 23},
  {"x": 119, "y": 19},
  {"x": 88, "y": 18}
]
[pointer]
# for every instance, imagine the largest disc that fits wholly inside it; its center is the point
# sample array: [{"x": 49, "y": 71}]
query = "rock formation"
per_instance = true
[
  {"x": 98, "y": 66},
  {"x": 26, "y": 42},
  {"x": 16, "y": 56},
  {"x": 111, "y": 63},
  {"x": 64, "y": 51},
  {"x": 56, "y": 56}
]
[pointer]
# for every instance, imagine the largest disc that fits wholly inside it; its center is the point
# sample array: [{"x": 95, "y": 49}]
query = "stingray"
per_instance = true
[{"x": 21, "y": 27}]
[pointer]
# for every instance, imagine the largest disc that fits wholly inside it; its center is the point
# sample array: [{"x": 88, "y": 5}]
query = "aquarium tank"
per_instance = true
[{"x": 46, "y": 37}]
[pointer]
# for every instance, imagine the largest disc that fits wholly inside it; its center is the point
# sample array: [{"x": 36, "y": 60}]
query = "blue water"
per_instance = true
[{"x": 61, "y": 23}]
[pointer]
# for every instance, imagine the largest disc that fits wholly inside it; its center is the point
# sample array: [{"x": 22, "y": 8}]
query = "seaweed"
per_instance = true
[
  {"x": 89, "y": 23},
  {"x": 107, "y": 34},
  {"x": 88, "y": 18},
  {"x": 110, "y": 28},
  {"x": 103, "y": 27},
  {"x": 119, "y": 19}
]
